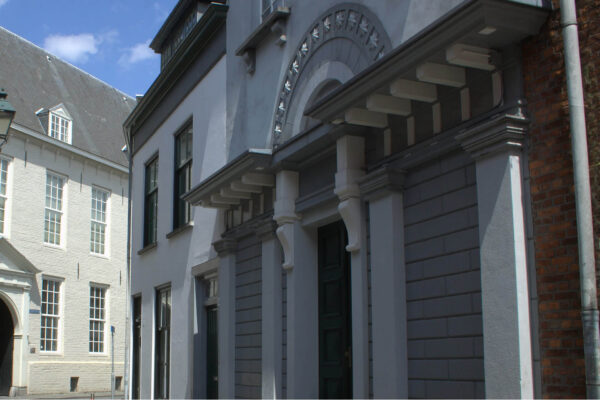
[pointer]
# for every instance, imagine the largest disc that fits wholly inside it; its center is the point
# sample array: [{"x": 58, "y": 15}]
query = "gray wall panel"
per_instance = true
[
  {"x": 248, "y": 319},
  {"x": 443, "y": 283}
]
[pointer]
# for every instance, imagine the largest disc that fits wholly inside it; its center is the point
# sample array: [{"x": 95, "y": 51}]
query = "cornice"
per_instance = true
[
  {"x": 506, "y": 132},
  {"x": 225, "y": 247},
  {"x": 381, "y": 181}
]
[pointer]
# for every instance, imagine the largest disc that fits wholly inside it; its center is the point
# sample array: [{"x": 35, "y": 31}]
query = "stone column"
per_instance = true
[
  {"x": 226, "y": 317},
  {"x": 300, "y": 262},
  {"x": 496, "y": 146},
  {"x": 383, "y": 190},
  {"x": 20, "y": 345},
  {"x": 350, "y": 168},
  {"x": 271, "y": 324}
]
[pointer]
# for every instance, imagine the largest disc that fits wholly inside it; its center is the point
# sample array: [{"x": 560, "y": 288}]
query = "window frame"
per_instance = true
[
  {"x": 105, "y": 223},
  {"x": 268, "y": 6},
  {"x": 58, "y": 290},
  {"x": 149, "y": 195},
  {"x": 62, "y": 126},
  {"x": 61, "y": 212},
  {"x": 102, "y": 320},
  {"x": 5, "y": 195},
  {"x": 179, "y": 168},
  {"x": 158, "y": 326}
]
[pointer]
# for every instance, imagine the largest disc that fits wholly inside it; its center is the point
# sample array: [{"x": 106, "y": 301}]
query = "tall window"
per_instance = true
[
  {"x": 183, "y": 174},
  {"x": 151, "y": 202},
  {"x": 50, "y": 315},
  {"x": 60, "y": 128},
  {"x": 54, "y": 209},
  {"x": 98, "y": 223},
  {"x": 3, "y": 196},
  {"x": 97, "y": 318},
  {"x": 163, "y": 340}
]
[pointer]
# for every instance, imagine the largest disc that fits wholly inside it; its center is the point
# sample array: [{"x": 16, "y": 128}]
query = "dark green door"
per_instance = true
[
  {"x": 137, "y": 346},
  {"x": 212, "y": 359},
  {"x": 335, "y": 339}
]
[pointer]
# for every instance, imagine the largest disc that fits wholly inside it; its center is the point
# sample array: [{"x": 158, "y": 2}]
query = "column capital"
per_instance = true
[
  {"x": 224, "y": 247},
  {"x": 504, "y": 133},
  {"x": 381, "y": 182},
  {"x": 265, "y": 229}
]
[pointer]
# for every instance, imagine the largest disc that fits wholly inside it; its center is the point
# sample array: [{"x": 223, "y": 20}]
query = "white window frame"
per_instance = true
[
  {"x": 49, "y": 209},
  {"x": 55, "y": 315},
  {"x": 5, "y": 194},
  {"x": 268, "y": 6},
  {"x": 60, "y": 125},
  {"x": 97, "y": 220},
  {"x": 95, "y": 318}
]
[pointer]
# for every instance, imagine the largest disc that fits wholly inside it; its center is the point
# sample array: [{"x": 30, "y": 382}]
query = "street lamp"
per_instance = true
[{"x": 7, "y": 113}]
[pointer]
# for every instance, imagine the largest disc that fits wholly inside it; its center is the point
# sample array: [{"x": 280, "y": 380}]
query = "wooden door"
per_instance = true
[
  {"x": 137, "y": 346},
  {"x": 335, "y": 337},
  {"x": 212, "y": 358}
]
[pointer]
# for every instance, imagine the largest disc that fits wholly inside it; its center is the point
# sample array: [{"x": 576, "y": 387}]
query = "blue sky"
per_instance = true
[{"x": 108, "y": 39}]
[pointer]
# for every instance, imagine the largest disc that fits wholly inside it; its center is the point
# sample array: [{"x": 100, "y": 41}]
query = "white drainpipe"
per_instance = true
[{"x": 585, "y": 229}]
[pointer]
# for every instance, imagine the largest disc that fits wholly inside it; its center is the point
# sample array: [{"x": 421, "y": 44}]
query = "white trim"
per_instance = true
[
  {"x": 66, "y": 147},
  {"x": 62, "y": 238},
  {"x": 106, "y": 222}
]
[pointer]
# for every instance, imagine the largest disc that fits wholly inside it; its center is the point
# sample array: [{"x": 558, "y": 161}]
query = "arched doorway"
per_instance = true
[{"x": 6, "y": 348}]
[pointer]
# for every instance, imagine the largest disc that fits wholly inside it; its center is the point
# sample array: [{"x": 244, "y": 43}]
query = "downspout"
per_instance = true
[
  {"x": 585, "y": 229},
  {"x": 128, "y": 327}
]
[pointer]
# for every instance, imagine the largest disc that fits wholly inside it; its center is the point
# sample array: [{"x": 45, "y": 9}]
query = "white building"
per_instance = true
[{"x": 63, "y": 190}]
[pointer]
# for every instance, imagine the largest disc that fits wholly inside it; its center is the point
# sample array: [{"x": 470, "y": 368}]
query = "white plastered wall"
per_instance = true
[{"x": 172, "y": 260}]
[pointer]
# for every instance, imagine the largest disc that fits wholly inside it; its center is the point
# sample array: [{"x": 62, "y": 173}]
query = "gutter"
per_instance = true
[
  {"x": 583, "y": 199},
  {"x": 128, "y": 325}
]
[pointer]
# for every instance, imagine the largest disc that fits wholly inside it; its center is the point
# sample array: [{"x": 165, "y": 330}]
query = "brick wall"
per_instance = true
[{"x": 552, "y": 193}]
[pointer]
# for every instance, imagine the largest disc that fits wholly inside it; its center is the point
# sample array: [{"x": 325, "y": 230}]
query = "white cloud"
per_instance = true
[
  {"x": 73, "y": 48},
  {"x": 3, "y": 2},
  {"x": 137, "y": 53}
]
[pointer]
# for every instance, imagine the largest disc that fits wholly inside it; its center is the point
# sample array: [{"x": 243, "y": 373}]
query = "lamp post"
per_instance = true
[{"x": 7, "y": 113}]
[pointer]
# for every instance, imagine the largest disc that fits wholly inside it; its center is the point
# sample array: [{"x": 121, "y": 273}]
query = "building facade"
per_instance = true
[
  {"x": 64, "y": 190},
  {"x": 366, "y": 219}
]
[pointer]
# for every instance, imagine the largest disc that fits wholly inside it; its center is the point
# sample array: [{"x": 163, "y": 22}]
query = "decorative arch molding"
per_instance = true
[{"x": 361, "y": 36}]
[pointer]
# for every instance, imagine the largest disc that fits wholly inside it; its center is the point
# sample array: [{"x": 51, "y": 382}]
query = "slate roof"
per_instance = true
[{"x": 35, "y": 79}]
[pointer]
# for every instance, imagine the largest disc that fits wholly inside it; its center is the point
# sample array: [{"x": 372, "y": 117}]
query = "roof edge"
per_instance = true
[{"x": 205, "y": 29}]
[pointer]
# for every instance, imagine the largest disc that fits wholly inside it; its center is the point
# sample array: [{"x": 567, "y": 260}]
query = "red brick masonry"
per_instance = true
[{"x": 552, "y": 194}]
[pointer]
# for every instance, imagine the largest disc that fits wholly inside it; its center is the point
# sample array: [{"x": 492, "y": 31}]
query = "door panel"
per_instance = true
[
  {"x": 335, "y": 341},
  {"x": 212, "y": 362},
  {"x": 137, "y": 343}
]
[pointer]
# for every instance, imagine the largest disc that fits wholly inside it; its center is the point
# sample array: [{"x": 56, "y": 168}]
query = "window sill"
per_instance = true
[
  {"x": 103, "y": 256},
  {"x": 44, "y": 353},
  {"x": 100, "y": 355},
  {"x": 180, "y": 229},
  {"x": 147, "y": 248},
  {"x": 54, "y": 246},
  {"x": 263, "y": 30}
]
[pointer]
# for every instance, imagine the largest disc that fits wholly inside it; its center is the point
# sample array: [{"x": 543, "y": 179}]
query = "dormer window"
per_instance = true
[
  {"x": 60, "y": 125},
  {"x": 181, "y": 32}
]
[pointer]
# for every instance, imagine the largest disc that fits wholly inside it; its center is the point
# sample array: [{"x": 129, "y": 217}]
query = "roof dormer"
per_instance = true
[{"x": 57, "y": 123}]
